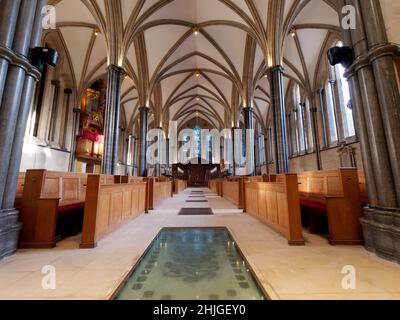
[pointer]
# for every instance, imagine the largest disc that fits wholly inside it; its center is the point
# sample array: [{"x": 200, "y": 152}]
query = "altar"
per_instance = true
[{"x": 197, "y": 175}]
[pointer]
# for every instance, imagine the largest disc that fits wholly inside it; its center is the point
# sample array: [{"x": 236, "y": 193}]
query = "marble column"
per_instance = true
[
  {"x": 266, "y": 147},
  {"x": 144, "y": 119},
  {"x": 160, "y": 151},
  {"x": 8, "y": 22},
  {"x": 322, "y": 105},
  {"x": 234, "y": 148},
  {"x": 75, "y": 127},
  {"x": 67, "y": 93},
  {"x": 280, "y": 147},
  {"x": 54, "y": 111},
  {"x": 20, "y": 30},
  {"x": 375, "y": 100},
  {"x": 167, "y": 155},
  {"x": 248, "y": 115},
  {"x": 317, "y": 147},
  {"x": 112, "y": 118}
]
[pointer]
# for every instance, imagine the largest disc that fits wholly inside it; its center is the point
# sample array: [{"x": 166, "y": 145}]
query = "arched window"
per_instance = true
[
  {"x": 197, "y": 141},
  {"x": 344, "y": 96},
  {"x": 338, "y": 111}
]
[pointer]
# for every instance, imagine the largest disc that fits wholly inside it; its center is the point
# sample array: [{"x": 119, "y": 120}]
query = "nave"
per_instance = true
[{"x": 313, "y": 271}]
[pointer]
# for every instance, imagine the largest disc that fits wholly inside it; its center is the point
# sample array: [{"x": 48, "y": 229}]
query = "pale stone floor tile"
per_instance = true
[{"x": 312, "y": 271}]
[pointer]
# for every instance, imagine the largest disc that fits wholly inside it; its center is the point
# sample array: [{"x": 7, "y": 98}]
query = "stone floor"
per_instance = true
[{"x": 310, "y": 272}]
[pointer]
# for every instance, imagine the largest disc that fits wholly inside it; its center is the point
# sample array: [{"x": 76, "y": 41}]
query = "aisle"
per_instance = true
[{"x": 310, "y": 272}]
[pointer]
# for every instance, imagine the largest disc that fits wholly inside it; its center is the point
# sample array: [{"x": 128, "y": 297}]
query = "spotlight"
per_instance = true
[
  {"x": 293, "y": 32},
  {"x": 343, "y": 55},
  {"x": 196, "y": 30},
  {"x": 96, "y": 32}
]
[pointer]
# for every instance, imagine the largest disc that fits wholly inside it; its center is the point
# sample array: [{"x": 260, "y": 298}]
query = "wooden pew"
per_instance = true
[
  {"x": 20, "y": 190},
  {"x": 48, "y": 197},
  {"x": 216, "y": 186},
  {"x": 159, "y": 189},
  {"x": 179, "y": 186},
  {"x": 107, "y": 207},
  {"x": 276, "y": 204},
  {"x": 335, "y": 195},
  {"x": 233, "y": 188}
]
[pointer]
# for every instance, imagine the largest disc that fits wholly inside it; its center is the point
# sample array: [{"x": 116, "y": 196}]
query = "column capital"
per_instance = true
[
  {"x": 144, "y": 109},
  {"x": 77, "y": 110},
  {"x": 68, "y": 91},
  {"x": 115, "y": 68},
  {"x": 277, "y": 68},
  {"x": 55, "y": 82}
]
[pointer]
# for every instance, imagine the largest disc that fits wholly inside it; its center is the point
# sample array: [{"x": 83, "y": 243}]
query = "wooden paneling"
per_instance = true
[
  {"x": 231, "y": 191},
  {"x": 107, "y": 207},
  {"x": 277, "y": 205},
  {"x": 158, "y": 190},
  {"x": 179, "y": 186},
  {"x": 216, "y": 186},
  {"x": 340, "y": 191}
]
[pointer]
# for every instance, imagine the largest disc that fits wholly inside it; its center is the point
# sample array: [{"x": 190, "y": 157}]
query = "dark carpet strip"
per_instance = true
[{"x": 196, "y": 212}]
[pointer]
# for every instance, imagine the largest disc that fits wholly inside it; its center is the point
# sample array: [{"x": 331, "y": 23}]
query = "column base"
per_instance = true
[
  {"x": 9, "y": 232},
  {"x": 381, "y": 228}
]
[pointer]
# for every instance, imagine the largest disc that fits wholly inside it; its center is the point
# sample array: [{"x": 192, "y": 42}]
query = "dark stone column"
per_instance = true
[
  {"x": 67, "y": 93},
  {"x": 54, "y": 111},
  {"x": 322, "y": 104},
  {"x": 167, "y": 155},
  {"x": 248, "y": 115},
  {"x": 144, "y": 119},
  {"x": 112, "y": 117},
  {"x": 375, "y": 98},
  {"x": 75, "y": 127},
  {"x": 234, "y": 141},
  {"x": 266, "y": 144},
  {"x": 20, "y": 29},
  {"x": 160, "y": 153},
  {"x": 317, "y": 146},
  {"x": 275, "y": 76},
  {"x": 8, "y": 22}
]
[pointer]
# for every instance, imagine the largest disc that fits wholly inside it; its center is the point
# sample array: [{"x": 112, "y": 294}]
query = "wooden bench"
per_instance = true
[
  {"x": 276, "y": 204},
  {"x": 47, "y": 199},
  {"x": 334, "y": 197},
  {"x": 109, "y": 206}
]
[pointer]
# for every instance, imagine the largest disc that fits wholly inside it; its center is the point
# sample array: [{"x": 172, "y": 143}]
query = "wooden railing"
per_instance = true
[
  {"x": 107, "y": 207},
  {"x": 277, "y": 205}
]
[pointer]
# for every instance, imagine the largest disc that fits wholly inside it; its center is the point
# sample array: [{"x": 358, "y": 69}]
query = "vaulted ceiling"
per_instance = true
[{"x": 195, "y": 58}]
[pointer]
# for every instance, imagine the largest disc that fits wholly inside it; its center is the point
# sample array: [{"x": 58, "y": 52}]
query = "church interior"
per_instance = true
[{"x": 291, "y": 106}]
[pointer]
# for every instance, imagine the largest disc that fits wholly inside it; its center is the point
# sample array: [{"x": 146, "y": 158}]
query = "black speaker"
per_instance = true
[
  {"x": 343, "y": 55},
  {"x": 40, "y": 56}
]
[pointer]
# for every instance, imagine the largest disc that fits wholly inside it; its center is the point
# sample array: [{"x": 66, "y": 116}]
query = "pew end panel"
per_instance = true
[
  {"x": 277, "y": 205},
  {"x": 108, "y": 207}
]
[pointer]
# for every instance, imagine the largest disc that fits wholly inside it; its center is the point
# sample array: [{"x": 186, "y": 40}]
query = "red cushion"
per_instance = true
[
  {"x": 313, "y": 205},
  {"x": 63, "y": 208}
]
